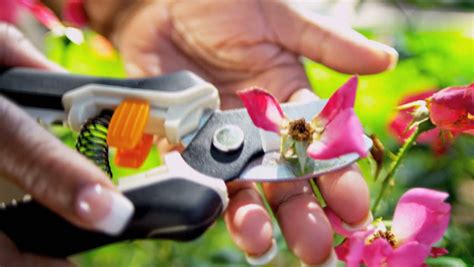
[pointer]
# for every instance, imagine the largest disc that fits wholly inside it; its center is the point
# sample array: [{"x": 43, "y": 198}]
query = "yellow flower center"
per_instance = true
[
  {"x": 387, "y": 235},
  {"x": 300, "y": 130}
]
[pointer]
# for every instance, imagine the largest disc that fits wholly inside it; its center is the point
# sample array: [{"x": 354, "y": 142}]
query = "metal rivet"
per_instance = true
[{"x": 228, "y": 138}]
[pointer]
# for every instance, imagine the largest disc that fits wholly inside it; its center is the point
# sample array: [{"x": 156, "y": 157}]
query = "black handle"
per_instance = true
[
  {"x": 176, "y": 209},
  {"x": 43, "y": 89}
]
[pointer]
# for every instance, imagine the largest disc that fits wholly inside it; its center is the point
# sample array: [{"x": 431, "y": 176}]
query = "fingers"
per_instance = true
[
  {"x": 302, "y": 221},
  {"x": 16, "y": 50},
  {"x": 326, "y": 41},
  {"x": 11, "y": 257},
  {"x": 247, "y": 219},
  {"x": 347, "y": 194},
  {"x": 56, "y": 176}
]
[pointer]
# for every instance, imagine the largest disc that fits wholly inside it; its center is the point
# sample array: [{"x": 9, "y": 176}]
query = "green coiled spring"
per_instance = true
[{"x": 92, "y": 141}]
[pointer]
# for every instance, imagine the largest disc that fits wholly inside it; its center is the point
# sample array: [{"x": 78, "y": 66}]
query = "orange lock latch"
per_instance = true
[
  {"x": 126, "y": 133},
  {"x": 128, "y": 123},
  {"x": 134, "y": 158}
]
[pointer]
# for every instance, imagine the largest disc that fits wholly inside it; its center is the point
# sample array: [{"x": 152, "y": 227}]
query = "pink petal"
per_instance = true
[
  {"x": 342, "y": 250},
  {"x": 411, "y": 254},
  {"x": 336, "y": 223},
  {"x": 43, "y": 14},
  {"x": 343, "y": 98},
  {"x": 400, "y": 122},
  {"x": 343, "y": 135},
  {"x": 422, "y": 215},
  {"x": 357, "y": 248},
  {"x": 263, "y": 108},
  {"x": 438, "y": 252},
  {"x": 9, "y": 11},
  {"x": 450, "y": 108},
  {"x": 74, "y": 13},
  {"x": 377, "y": 252},
  {"x": 456, "y": 97}
]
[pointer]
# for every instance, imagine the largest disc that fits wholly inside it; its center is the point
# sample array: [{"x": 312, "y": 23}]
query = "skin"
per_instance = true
[
  {"x": 233, "y": 44},
  {"x": 34, "y": 159},
  {"x": 238, "y": 44}
]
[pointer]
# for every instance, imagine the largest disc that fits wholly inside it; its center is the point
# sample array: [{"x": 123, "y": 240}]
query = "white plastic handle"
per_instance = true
[{"x": 172, "y": 114}]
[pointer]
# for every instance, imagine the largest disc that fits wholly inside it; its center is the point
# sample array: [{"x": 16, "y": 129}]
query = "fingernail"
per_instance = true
[
  {"x": 331, "y": 261},
  {"x": 390, "y": 51},
  {"x": 393, "y": 58},
  {"x": 106, "y": 210},
  {"x": 266, "y": 257},
  {"x": 133, "y": 70},
  {"x": 360, "y": 226}
]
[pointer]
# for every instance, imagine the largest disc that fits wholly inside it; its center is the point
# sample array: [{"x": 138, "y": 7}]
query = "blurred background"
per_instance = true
[{"x": 435, "y": 40}]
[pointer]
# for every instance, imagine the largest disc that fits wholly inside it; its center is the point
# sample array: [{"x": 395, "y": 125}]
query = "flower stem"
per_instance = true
[{"x": 394, "y": 166}]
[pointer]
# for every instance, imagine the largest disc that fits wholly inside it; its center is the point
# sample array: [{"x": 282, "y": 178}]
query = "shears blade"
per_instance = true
[{"x": 272, "y": 168}]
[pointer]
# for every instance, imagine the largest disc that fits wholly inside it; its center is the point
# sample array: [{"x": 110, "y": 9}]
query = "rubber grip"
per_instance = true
[
  {"x": 176, "y": 209},
  {"x": 43, "y": 89}
]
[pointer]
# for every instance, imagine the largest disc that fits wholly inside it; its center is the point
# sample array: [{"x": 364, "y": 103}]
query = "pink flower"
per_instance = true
[
  {"x": 42, "y": 13},
  {"x": 421, "y": 218},
  {"x": 452, "y": 109},
  {"x": 335, "y": 131},
  {"x": 74, "y": 13},
  {"x": 399, "y": 124},
  {"x": 9, "y": 11}
]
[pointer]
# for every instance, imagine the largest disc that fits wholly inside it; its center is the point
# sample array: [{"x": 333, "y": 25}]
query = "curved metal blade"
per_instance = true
[{"x": 271, "y": 168}]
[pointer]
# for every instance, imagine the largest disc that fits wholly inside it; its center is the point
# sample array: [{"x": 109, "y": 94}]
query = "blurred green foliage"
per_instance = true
[{"x": 428, "y": 60}]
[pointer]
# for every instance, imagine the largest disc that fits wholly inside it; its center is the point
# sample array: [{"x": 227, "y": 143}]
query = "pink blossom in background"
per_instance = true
[
  {"x": 9, "y": 11},
  {"x": 452, "y": 109},
  {"x": 399, "y": 124},
  {"x": 420, "y": 220}
]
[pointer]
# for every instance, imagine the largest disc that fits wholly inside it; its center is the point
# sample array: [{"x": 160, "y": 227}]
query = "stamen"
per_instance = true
[
  {"x": 300, "y": 130},
  {"x": 387, "y": 235}
]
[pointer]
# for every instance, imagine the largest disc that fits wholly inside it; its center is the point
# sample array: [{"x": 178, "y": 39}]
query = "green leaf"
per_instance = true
[{"x": 445, "y": 262}]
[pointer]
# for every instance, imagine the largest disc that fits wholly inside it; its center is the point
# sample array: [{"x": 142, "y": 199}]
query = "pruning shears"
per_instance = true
[{"x": 178, "y": 200}]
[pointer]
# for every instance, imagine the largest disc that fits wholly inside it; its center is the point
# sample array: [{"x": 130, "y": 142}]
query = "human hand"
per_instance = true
[
  {"x": 238, "y": 44},
  {"x": 42, "y": 166}
]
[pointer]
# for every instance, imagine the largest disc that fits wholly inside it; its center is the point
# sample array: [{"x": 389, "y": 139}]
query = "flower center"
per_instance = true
[
  {"x": 300, "y": 130},
  {"x": 387, "y": 235}
]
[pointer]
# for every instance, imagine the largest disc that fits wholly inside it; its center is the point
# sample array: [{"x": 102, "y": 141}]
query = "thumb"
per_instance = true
[
  {"x": 327, "y": 41},
  {"x": 57, "y": 177},
  {"x": 16, "y": 50}
]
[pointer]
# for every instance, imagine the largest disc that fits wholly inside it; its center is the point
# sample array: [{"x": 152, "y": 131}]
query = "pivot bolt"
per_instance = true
[{"x": 228, "y": 138}]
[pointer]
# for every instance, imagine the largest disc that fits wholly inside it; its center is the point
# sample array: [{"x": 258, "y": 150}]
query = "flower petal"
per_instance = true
[
  {"x": 398, "y": 125},
  {"x": 376, "y": 253},
  {"x": 450, "y": 108},
  {"x": 342, "y": 250},
  {"x": 438, "y": 252},
  {"x": 411, "y": 254},
  {"x": 43, "y": 14},
  {"x": 456, "y": 97},
  {"x": 357, "y": 248},
  {"x": 343, "y": 98},
  {"x": 263, "y": 108},
  {"x": 74, "y": 13},
  {"x": 336, "y": 223},
  {"x": 343, "y": 135},
  {"x": 422, "y": 215},
  {"x": 9, "y": 11}
]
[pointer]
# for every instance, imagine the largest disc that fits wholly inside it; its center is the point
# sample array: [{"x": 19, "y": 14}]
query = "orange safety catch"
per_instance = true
[
  {"x": 134, "y": 158},
  {"x": 128, "y": 123}
]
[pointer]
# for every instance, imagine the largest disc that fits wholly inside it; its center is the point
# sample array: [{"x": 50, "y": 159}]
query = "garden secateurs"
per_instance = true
[{"x": 178, "y": 200}]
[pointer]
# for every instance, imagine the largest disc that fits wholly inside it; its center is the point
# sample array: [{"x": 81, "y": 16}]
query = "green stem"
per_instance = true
[{"x": 394, "y": 166}]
